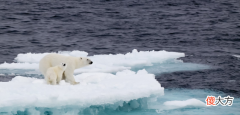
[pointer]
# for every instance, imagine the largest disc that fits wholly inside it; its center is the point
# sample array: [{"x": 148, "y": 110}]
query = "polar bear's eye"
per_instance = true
[
  {"x": 64, "y": 64},
  {"x": 80, "y": 58}
]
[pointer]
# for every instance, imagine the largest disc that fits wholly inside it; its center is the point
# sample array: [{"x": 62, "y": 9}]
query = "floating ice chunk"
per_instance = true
[
  {"x": 94, "y": 89},
  {"x": 183, "y": 104},
  {"x": 74, "y": 53},
  {"x": 155, "y": 62},
  {"x": 102, "y": 63},
  {"x": 145, "y": 58},
  {"x": 30, "y": 57},
  {"x": 19, "y": 66},
  {"x": 36, "y": 57},
  {"x": 142, "y": 57},
  {"x": 238, "y": 56}
]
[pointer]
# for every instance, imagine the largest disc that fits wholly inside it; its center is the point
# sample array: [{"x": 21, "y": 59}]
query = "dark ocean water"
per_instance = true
[{"x": 207, "y": 31}]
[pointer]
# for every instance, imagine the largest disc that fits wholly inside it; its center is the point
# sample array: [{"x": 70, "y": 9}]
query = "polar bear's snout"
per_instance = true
[{"x": 90, "y": 62}]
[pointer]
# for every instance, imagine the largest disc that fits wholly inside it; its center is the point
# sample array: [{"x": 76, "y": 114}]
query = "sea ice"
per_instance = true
[
  {"x": 94, "y": 89},
  {"x": 101, "y": 63},
  {"x": 238, "y": 56},
  {"x": 183, "y": 104},
  {"x": 116, "y": 81}
]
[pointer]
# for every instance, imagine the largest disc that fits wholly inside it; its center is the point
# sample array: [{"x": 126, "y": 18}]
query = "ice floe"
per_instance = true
[
  {"x": 102, "y": 63},
  {"x": 94, "y": 89}
]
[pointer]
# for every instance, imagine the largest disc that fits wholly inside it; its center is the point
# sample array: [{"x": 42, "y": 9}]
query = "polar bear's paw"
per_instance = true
[{"x": 75, "y": 83}]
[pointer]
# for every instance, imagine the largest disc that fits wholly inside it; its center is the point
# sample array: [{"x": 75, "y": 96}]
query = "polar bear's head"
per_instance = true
[
  {"x": 83, "y": 61},
  {"x": 63, "y": 66}
]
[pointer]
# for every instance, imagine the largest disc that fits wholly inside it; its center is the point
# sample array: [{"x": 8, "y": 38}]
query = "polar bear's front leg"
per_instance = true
[
  {"x": 68, "y": 77},
  {"x": 52, "y": 80}
]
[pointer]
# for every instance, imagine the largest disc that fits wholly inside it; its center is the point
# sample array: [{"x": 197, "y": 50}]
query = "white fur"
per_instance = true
[
  {"x": 54, "y": 74},
  {"x": 73, "y": 63}
]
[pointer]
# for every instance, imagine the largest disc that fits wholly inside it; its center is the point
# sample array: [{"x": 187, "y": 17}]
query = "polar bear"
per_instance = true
[
  {"x": 53, "y": 59},
  {"x": 54, "y": 74}
]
